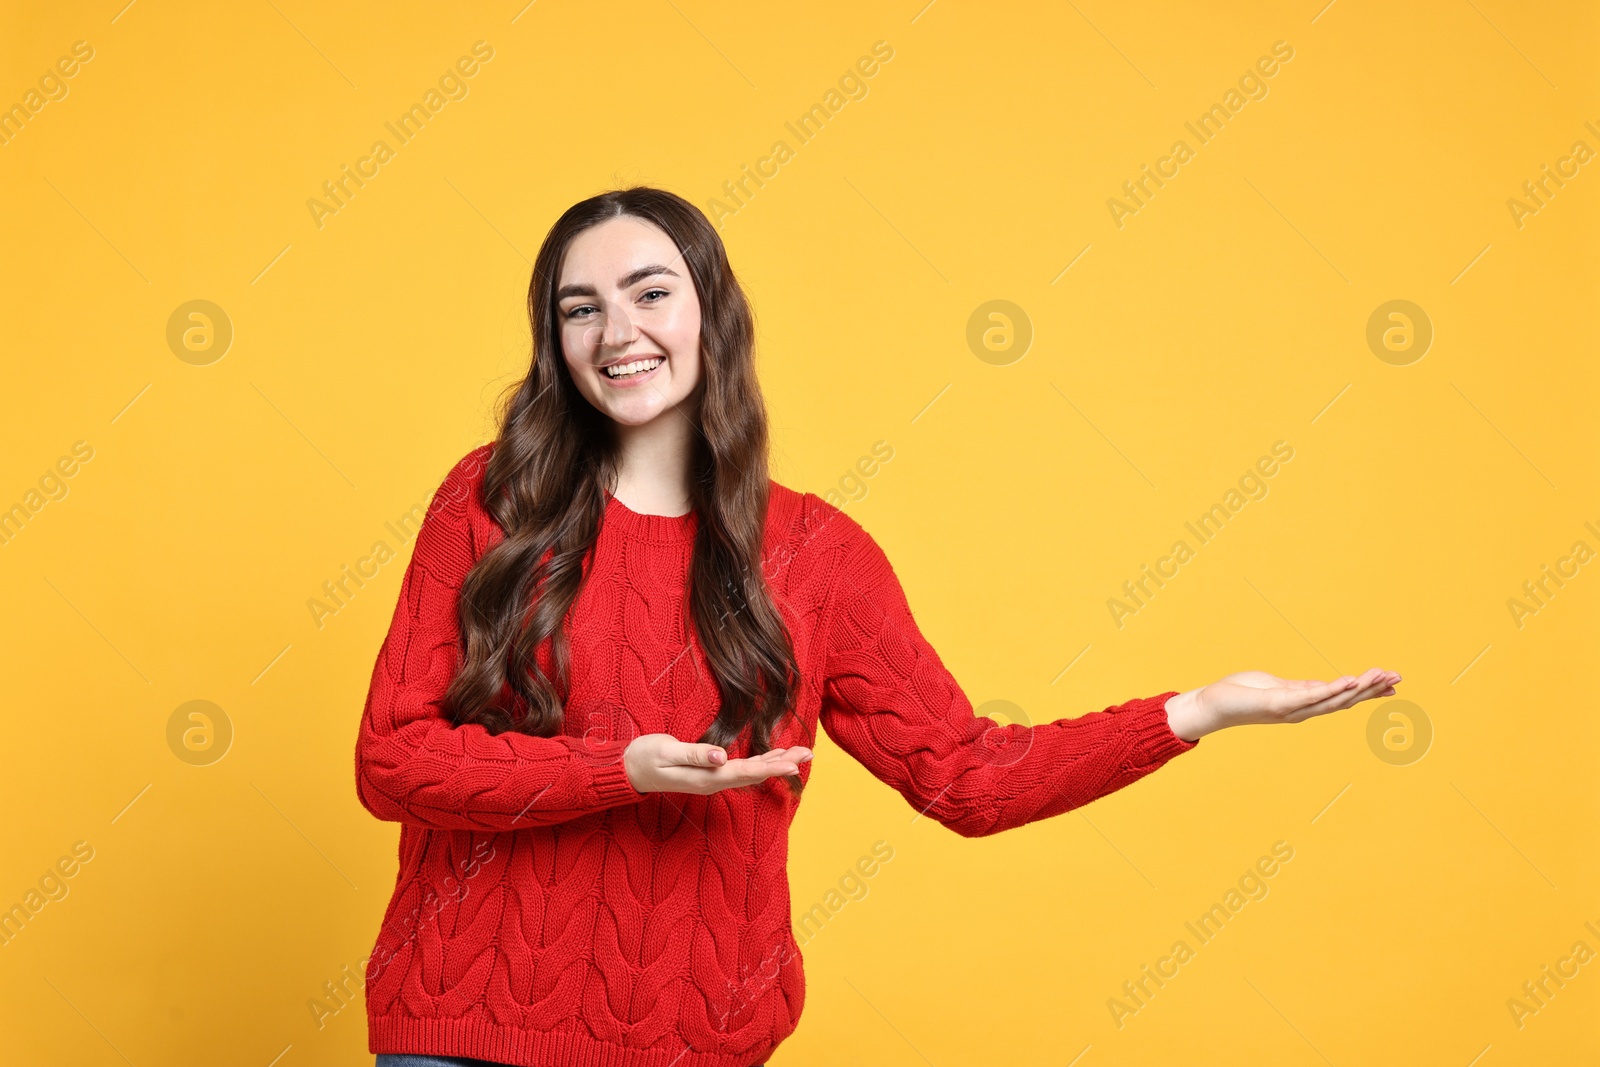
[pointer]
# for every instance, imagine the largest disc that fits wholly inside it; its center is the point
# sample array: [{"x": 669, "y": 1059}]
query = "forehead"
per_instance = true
[{"x": 608, "y": 250}]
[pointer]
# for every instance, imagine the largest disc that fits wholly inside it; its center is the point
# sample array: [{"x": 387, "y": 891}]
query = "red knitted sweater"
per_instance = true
[{"x": 546, "y": 913}]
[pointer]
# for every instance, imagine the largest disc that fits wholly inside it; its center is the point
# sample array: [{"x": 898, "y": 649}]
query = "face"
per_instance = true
[{"x": 626, "y": 302}]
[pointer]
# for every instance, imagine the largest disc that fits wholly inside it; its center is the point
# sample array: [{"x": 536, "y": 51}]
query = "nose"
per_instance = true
[{"x": 615, "y": 330}]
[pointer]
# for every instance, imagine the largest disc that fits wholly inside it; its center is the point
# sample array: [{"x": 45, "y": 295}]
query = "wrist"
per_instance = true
[
  {"x": 630, "y": 756},
  {"x": 1186, "y": 718}
]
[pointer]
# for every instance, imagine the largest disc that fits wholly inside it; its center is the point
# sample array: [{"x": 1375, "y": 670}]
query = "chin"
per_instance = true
[{"x": 636, "y": 413}]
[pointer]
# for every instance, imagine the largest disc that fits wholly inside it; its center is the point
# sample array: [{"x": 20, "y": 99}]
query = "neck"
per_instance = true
[{"x": 653, "y": 462}]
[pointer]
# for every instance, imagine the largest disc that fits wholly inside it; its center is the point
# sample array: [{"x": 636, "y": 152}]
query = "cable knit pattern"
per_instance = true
[{"x": 548, "y": 914}]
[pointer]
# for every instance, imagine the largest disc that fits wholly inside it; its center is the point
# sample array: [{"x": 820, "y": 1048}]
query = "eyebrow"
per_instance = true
[{"x": 631, "y": 278}]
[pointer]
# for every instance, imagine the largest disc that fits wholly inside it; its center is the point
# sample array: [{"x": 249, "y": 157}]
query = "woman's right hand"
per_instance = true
[
  {"x": 660, "y": 763},
  {"x": 1258, "y": 697}
]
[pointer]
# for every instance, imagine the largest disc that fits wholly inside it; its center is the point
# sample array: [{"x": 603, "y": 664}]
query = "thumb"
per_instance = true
[{"x": 695, "y": 755}]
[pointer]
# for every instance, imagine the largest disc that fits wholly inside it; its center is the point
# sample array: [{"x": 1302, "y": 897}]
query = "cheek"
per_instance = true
[
  {"x": 577, "y": 366},
  {"x": 574, "y": 342},
  {"x": 684, "y": 331}
]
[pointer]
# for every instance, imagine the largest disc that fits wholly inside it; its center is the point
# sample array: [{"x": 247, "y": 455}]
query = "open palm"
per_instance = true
[{"x": 1258, "y": 697}]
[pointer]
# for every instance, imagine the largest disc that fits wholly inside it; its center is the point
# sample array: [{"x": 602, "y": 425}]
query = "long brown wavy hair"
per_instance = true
[{"x": 545, "y": 484}]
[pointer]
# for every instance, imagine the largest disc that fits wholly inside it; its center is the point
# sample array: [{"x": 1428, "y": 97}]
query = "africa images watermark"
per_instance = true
[
  {"x": 53, "y": 486},
  {"x": 851, "y": 487},
  {"x": 452, "y": 85},
  {"x": 852, "y": 85},
  {"x": 1538, "y": 592},
  {"x": 1251, "y": 486},
  {"x": 1252, "y": 85},
  {"x": 52, "y": 87},
  {"x": 762, "y": 975},
  {"x": 337, "y": 593},
  {"x": 1537, "y": 993},
  {"x": 340, "y": 993},
  {"x": 1538, "y": 192},
  {"x": 53, "y": 886},
  {"x": 1252, "y": 885}
]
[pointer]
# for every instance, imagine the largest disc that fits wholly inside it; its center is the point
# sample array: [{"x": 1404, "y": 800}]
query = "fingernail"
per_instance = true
[{"x": 718, "y": 756}]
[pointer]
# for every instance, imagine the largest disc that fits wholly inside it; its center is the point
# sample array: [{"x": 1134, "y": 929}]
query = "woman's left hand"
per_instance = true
[{"x": 1258, "y": 697}]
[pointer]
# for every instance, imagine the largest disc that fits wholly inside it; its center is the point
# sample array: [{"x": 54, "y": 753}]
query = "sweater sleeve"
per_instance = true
[
  {"x": 413, "y": 765},
  {"x": 890, "y": 702}
]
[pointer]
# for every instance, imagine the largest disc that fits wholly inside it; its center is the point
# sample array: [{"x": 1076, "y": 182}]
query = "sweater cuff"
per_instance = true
[
  {"x": 1155, "y": 741},
  {"x": 609, "y": 776}
]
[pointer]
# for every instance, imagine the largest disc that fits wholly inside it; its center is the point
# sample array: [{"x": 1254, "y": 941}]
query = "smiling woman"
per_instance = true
[
  {"x": 611, "y": 653},
  {"x": 633, "y": 349}
]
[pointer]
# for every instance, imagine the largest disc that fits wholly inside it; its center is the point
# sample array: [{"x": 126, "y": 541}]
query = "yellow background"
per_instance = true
[{"x": 1228, "y": 314}]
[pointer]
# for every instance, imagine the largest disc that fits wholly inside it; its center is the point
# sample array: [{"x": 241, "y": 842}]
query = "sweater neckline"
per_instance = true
[{"x": 666, "y": 528}]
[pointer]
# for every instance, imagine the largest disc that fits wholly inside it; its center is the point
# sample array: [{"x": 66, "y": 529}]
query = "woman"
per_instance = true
[{"x": 595, "y": 783}]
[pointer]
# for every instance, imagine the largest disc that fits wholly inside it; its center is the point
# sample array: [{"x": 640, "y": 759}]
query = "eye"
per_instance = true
[
  {"x": 572, "y": 312},
  {"x": 647, "y": 292}
]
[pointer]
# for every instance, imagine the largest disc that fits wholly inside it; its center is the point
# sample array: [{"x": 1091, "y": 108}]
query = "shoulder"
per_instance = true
[
  {"x": 811, "y": 536},
  {"x": 461, "y": 484},
  {"x": 468, "y": 470},
  {"x": 458, "y": 500},
  {"x": 807, "y": 519},
  {"x": 453, "y": 530}
]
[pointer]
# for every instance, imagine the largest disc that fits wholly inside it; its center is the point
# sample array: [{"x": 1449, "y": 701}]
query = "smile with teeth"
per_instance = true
[{"x": 641, "y": 366}]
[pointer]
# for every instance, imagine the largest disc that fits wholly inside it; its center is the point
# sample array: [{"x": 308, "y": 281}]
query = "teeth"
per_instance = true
[{"x": 622, "y": 370}]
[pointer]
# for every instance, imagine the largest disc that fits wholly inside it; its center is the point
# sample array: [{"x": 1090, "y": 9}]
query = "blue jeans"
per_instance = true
[{"x": 388, "y": 1059}]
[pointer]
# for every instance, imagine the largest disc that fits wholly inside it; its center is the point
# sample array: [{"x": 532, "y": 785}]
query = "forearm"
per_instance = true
[
  {"x": 980, "y": 778},
  {"x": 1072, "y": 762},
  {"x": 462, "y": 778}
]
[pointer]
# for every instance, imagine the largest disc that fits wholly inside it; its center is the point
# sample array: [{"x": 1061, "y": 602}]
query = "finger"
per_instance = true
[
  {"x": 796, "y": 754},
  {"x": 1308, "y": 703},
  {"x": 745, "y": 772},
  {"x": 1372, "y": 682},
  {"x": 1381, "y": 686},
  {"x": 775, "y": 762},
  {"x": 755, "y": 768},
  {"x": 1365, "y": 688},
  {"x": 686, "y": 777},
  {"x": 706, "y": 780},
  {"x": 686, "y": 754},
  {"x": 1311, "y": 696}
]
